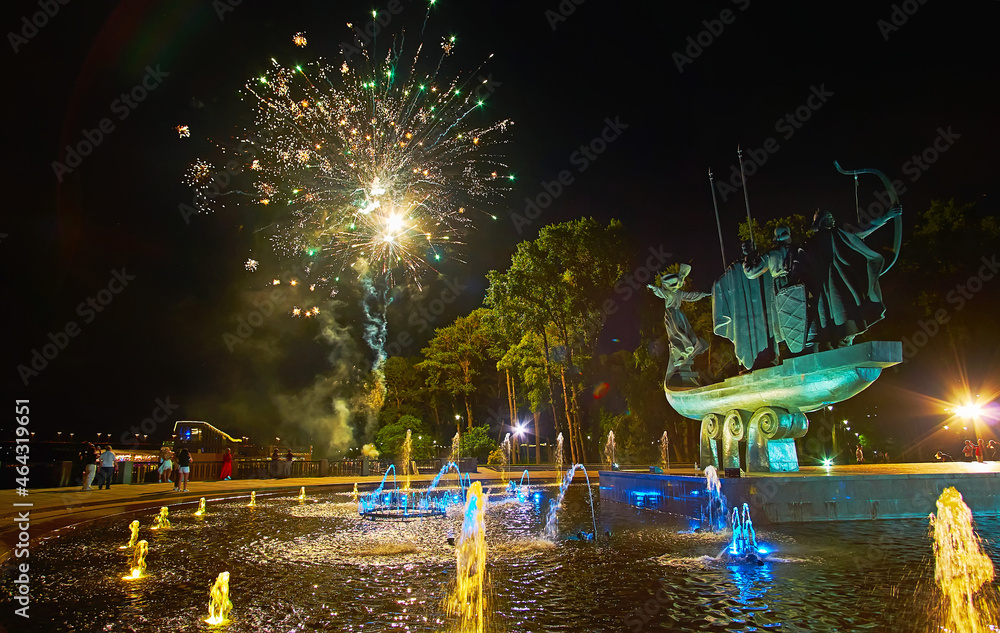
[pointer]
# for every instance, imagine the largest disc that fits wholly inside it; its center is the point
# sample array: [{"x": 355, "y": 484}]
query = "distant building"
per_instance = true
[{"x": 202, "y": 437}]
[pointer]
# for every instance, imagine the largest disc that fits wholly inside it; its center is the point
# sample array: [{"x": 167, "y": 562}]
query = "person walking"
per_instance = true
[
  {"x": 992, "y": 445},
  {"x": 184, "y": 466},
  {"x": 88, "y": 458},
  {"x": 109, "y": 466},
  {"x": 980, "y": 450},
  {"x": 288, "y": 463},
  {"x": 860, "y": 455},
  {"x": 227, "y": 465}
]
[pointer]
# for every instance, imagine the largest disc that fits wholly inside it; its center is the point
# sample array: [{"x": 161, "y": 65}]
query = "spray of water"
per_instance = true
[
  {"x": 714, "y": 512},
  {"x": 219, "y": 605},
  {"x": 962, "y": 570},
  {"x": 665, "y": 452},
  {"x": 505, "y": 456},
  {"x": 467, "y": 599},
  {"x": 138, "y": 564},
  {"x": 559, "y": 457},
  {"x": 551, "y": 531},
  {"x": 609, "y": 450}
]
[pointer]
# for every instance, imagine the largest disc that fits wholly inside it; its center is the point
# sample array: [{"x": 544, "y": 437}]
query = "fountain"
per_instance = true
[
  {"x": 201, "y": 508},
  {"x": 609, "y": 451},
  {"x": 467, "y": 598},
  {"x": 134, "y": 527},
  {"x": 253, "y": 499},
  {"x": 962, "y": 570},
  {"x": 405, "y": 459},
  {"x": 744, "y": 548},
  {"x": 456, "y": 448},
  {"x": 665, "y": 452},
  {"x": 519, "y": 490},
  {"x": 441, "y": 473},
  {"x": 714, "y": 512},
  {"x": 402, "y": 505},
  {"x": 559, "y": 458},
  {"x": 505, "y": 457},
  {"x": 219, "y": 605},
  {"x": 302, "y": 493},
  {"x": 138, "y": 565},
  {"x": 161, "y": 520},
  {"x": 551, "y": 531},
  {"x": 354, "y": 495}
]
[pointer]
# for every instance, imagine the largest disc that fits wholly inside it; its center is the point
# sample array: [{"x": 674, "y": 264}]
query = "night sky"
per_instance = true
[{"x": 868, "y": 93}]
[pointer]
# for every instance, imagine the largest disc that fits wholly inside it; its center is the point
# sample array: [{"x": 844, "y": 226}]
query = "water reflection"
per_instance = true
[{"x": 317, "y": 566}]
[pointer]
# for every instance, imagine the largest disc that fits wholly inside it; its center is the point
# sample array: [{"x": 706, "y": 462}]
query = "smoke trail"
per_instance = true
[{"x": 375, "y": 333}]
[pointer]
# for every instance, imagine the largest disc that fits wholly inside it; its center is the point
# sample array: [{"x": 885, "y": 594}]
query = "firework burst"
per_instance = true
[{"x": 374, "y": 161}]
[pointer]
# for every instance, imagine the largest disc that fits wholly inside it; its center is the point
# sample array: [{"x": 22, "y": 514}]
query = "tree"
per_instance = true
[
  {"x": 554, "y": 289},
  {"x": 476, "y": 442},
  {"x": 455, "y": 357},
  {"x": 390, "y": 438}
]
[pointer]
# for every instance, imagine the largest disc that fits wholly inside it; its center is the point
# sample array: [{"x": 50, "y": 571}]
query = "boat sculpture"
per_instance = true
[{"x": 815, "y": 298}]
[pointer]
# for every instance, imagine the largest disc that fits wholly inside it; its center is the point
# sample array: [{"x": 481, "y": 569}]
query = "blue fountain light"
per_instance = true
[{"x": 403, "y": 505}]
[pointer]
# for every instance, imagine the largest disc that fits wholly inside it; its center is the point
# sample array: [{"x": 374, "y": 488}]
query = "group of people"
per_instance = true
[
  {"x": 859, "y": 456},
  {"x": 972, "y": 451},
  {"x": 175, "y": 468},
  {"x": 276, "y": 463},
  {"x": 977, "y": 450},
  {"x": 90, "y": 459}
]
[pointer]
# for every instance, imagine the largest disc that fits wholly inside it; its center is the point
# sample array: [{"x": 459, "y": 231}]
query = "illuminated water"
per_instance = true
[
  {"x": 467, "y": 602},
  {"x": 665, "y": 452},
  {"x": 201, "y": 507},
  {"x": 962, "y": 570},
  {"x": 319, "y": 567},
  {"x": 406, "y": 457},
  {"x": 609, "y": 451},
  {"x": 219, "y": 605}
]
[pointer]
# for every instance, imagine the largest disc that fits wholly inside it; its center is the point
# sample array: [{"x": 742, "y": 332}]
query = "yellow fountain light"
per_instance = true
[
  {"x": 134, "y": 527},
  {"x": 138, "y": 565},
  {"x": 201, "y": 508},
  {"x": 219, "y": 605},
  {"x": 253, "y": 499},
  {"x": 963, "y": 571},
  {"x": 161, "y": 520}
]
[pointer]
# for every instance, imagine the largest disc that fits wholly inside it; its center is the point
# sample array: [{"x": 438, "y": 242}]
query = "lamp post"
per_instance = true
[{"x": 519, "y": 432}]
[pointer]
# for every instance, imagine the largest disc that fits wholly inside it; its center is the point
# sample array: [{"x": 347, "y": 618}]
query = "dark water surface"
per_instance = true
[{"x": 315, "y": 566}]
